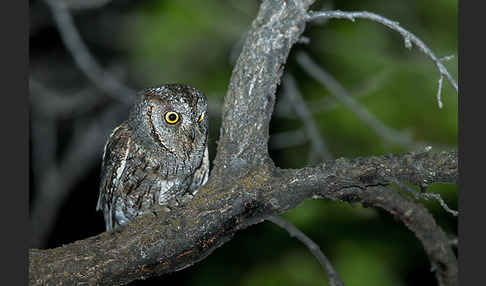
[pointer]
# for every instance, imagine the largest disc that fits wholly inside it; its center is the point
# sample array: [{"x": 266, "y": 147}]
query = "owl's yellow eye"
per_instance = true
[
  {"x": 201, "y": 117},
  {"x": 171, "y": 117}
]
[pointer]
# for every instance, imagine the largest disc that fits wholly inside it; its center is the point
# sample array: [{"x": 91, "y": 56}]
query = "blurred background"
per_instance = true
[{"x": 77, "y": 100}]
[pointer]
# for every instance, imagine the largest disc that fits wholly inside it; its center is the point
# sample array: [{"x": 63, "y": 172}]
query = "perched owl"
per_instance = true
[{"x": 160, "y": 153}]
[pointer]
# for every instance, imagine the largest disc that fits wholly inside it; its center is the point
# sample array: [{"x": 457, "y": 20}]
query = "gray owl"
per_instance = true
[{"x": 159, "y": 154}]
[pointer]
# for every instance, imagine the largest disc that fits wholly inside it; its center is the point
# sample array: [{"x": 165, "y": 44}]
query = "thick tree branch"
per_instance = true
[
  {"x": 248, "y": 105},
  {"x": 170, "y": 241},
  {"x": 245, "y": 187},
  {"x": 420, "y": 221}
]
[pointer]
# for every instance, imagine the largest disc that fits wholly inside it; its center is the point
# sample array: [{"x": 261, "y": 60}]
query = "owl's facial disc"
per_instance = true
[
  {"x": 158, "y": 126},
  {"x": 177, "y": 127},
  {"x": 171, "y": 119}
]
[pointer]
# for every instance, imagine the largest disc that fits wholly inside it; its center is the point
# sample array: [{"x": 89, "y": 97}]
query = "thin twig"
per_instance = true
[
  {"x": 85, "y": 4},
  {"x": 54, "y": 105},
  {"x": 284, "y": 109},
  {"x": 326, "y": 79},
  {"x": 454, "y": 241},
  {"x": 291, "y": 90},
  {"x": 332, "y": 275},
  {"x": 426, "y": 196},
  {"x": 287, "y": 139},
  {"x": 409, "y": 39},
  {"x": 439, "y": 89},
  {"x": 83, "y": 58}
]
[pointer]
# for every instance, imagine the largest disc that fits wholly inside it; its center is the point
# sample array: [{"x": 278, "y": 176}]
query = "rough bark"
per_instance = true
[
  {"x": 245, "y": 187},
  {"x": 170, "y": 241}
]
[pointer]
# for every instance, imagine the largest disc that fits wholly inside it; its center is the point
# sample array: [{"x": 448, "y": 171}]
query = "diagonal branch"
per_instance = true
[
  {"x": 409, "y": 39},
  {"x": 332, "y": 275},
  {"x": 421, "y": 222},
  {"x": 85, "y": 61},
  {"x": 248, "y": 105},
  {"x": 341, "y": 94},
  {"x": 424, "y": 195},
  {"x": 318, "y": 145},
  {"x": 51, "y": 104},
  {"x": 287, "y": 139},
  {"x": 365, "y": 186}
]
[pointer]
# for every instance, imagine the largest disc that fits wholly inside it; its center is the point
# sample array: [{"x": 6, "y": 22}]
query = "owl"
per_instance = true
[{"x": 159, "y": 154}]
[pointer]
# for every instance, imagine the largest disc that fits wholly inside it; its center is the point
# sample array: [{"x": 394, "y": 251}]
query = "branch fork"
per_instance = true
[{"x": 246, "y": 188}]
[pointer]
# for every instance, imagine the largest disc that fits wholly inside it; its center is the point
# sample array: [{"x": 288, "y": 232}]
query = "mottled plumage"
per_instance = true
[{"x": 160, "y": 153}]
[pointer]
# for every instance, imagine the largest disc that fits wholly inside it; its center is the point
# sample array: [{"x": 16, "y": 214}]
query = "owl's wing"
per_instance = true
[
  {"x": 112, "y": 167},
  {"x": 201, "y": 174}
]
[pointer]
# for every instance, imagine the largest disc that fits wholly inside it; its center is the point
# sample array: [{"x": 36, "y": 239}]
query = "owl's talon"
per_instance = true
[{"x": 117, "y": 229}]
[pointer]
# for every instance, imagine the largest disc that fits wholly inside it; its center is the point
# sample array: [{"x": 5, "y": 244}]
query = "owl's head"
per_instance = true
[{"x": 172, "y": 119}]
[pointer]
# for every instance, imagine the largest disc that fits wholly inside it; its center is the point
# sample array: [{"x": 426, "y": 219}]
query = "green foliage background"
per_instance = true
[{"x": 193, "y": 42}]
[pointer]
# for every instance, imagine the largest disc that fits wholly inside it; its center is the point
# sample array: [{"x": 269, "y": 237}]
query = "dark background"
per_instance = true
[{"x": 145, "y": 43}]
